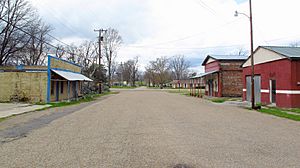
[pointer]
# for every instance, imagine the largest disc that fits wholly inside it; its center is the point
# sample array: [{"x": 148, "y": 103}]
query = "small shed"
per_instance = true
[{"x": 277, "y": 76}]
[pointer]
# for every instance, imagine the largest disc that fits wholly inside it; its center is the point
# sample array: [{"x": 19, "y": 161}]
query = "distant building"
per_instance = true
[
  {"x": 223, "y": 75},
  {"x": 183, "y": 84},
  {"x": 277, "y": 76},
  {"x": 60, "y": 80}
]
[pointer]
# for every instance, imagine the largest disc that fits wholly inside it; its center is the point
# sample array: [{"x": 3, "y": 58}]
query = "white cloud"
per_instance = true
[{"x": 154, "y": 28}]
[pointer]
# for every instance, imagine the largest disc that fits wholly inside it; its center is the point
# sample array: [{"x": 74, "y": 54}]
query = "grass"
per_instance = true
[
  {"x": 296, "y": 110},
  {"x": 123, "y": 87},
  {"x": 281, "y": 113},
  {"x": 218, "y": 100},
  {"x": 86, "y": 98},
  {"x": 185, "y": 92}
]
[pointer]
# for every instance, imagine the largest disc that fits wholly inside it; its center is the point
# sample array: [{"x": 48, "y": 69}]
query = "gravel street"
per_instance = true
[{"x": 148, "y": 128}]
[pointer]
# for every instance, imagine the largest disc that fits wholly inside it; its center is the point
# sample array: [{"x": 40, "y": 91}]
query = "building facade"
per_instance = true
[
  {"x": 59, "y": 80},
  {"x": 223, "y": 75},
  {"x": 277, "y": 76},
  {"x": 182, "y": 84}
]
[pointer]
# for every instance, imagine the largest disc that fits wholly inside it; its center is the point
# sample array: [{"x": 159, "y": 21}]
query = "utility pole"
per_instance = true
[
  {"x": 252, "y": 52},
  {"x": 100, "y": 39},
  {"x": 252, "y": 59}
]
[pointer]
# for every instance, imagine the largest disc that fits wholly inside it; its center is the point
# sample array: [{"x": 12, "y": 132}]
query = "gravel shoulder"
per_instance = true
[{"x": 158, "y": 129}]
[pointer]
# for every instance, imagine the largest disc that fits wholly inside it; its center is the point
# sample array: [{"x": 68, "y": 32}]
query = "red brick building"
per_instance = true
[
  {"x": 277, "y": 76},
  {"x": 223, "y": 75}
]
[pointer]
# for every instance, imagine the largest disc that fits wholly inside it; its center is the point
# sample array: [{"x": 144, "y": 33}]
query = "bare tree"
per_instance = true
[
  {"x": 179, "y": 67},
  {"x": 294, "y": 44},
  {"x": 161, "y": 70},
  {"x": 111, "y": 44},
  {"x": 35, "y": 52},
  {"x": 15, "y": 15},
  {"x": 60, "y": 51},
  {"x": 72, "y": 53}
]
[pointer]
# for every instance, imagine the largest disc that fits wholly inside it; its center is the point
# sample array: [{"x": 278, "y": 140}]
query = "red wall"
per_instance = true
[
  {"x": 286, "y": 73},
  {"x": 213, "y": 66}
]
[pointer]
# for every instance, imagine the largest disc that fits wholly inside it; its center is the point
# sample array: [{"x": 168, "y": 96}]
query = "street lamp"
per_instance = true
[{"x": 252, "y": 59}]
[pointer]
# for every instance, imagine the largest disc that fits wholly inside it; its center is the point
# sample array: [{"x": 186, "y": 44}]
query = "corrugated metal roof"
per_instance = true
[
  {"x": 229, "y": 57},
  {"x": 292, "y": 52},
  {"x": 225, "y": 58},
  {"x": 71, "y": 76},
  {"x": 203, "y": 74}
]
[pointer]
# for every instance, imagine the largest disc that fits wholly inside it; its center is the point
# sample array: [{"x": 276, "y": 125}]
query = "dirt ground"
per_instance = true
[{"x": 152, "y": 128}]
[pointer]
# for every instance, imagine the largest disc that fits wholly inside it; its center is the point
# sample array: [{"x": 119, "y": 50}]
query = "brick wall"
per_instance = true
[
  {"x": 232, "y": 85},
  {"x": 232, "y": 75}
]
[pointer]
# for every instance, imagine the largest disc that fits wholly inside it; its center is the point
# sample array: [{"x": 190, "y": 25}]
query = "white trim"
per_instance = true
[
  {"x": 264, "y": 91},
  {"x": 244, "y": 90},
  {"x": 288, "y": 91}
]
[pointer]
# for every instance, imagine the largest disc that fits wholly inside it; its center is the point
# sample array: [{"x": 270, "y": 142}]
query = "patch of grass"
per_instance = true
[
  {"x": 218, "y": 100},
  {"x": 123, "y": 87},
  {"x": 86, "y": 98},
  {"x": 280, "y": 113},
  {"x": 296, "y": 110}
]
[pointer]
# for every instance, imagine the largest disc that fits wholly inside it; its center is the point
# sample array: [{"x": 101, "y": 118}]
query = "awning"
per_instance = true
[
  {"x": 71, "y": 76},
  {"x": 204, "y": 74}
]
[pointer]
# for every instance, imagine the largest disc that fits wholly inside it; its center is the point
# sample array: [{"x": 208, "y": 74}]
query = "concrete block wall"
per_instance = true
[
  {"x": 55, "y": 63},
  {"x": 29, "y": 86}
]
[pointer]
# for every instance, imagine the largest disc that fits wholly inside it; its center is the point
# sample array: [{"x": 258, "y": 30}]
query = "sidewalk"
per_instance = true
[{"x": 9, "y": 109}]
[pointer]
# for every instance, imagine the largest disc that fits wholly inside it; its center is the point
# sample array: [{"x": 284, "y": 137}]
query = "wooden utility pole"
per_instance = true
[
  {"x": 100, "y": 39},
  {"x": 252, "y": 59}
]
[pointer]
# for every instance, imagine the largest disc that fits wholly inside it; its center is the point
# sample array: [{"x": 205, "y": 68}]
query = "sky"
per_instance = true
[{"x": 155, "y": 28}]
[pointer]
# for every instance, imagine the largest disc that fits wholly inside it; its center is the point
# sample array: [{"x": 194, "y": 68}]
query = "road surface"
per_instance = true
[{"x": 141, "y": 128}]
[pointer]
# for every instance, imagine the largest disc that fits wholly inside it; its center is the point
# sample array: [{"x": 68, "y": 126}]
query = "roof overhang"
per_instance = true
[
  {"x": 71, "y": 76},
  {"x": 204, "y": 74}
]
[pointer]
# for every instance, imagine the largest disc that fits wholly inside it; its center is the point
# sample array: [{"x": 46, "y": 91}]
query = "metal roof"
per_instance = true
[
  {"x": 291, "y": 52},
  {"x": 72, "y": 76},
  {"x": 229, "y": 57},
  {"x": 225, "y": 58},
  {"x": 203, "y": 74}
]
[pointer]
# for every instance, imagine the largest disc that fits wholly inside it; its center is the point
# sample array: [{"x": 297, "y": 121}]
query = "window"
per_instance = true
[
  {"x": 52, "y": 87},
  {"x": 61, "y": 87}
]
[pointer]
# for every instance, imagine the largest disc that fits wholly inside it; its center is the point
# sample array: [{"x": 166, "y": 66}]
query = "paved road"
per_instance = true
[{"x": 158, "y": 129}]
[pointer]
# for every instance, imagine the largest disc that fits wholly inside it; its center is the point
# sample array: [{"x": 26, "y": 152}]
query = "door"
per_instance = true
[
  {"x": 211, "y": 87},
  {"x": 257, "y": 88},
  {"x": 272, "y": 91},
  {"x": 248, "y": 87},
  {"x": 74, "y": 88},
  {"x": 57, "y": 91}
]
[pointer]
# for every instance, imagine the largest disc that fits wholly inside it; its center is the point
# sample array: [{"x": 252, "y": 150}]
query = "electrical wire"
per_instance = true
[{"x": 41, "y": 40}]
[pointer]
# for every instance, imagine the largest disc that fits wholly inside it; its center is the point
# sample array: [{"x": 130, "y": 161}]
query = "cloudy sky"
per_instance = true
[{"x": 154, "y": 28}]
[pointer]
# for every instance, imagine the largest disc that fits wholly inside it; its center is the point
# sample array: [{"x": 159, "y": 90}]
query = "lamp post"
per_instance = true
[{"x": 251, "y": 46}]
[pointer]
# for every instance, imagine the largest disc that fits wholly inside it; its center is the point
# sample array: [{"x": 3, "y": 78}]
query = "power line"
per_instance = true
[
  {"x": 204, "y": 5},
  {"x": 41, "y": 40},
  {"x": 189, "y": 37},
  {"x": 192, "y": 48},
  {"x": 41, "y": 30}
]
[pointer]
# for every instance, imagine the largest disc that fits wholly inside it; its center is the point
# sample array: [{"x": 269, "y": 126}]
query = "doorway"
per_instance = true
[
  {"x": 210, "y": 87},
  {"x": 273, "y": 91},
  {"x": 57, "y": 91}
]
